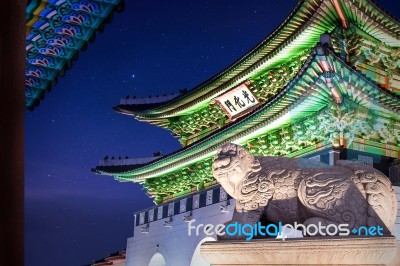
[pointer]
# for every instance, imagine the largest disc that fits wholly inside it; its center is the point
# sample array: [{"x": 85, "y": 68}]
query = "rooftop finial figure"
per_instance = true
[
  {"x": 157, "y": 153},
  {"x": 326, "y": 40}
]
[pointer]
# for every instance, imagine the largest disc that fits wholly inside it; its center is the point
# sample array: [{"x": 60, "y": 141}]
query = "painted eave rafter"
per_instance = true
[
  {"x": 372, "y": 19},
  {"x": 56, "y": 30}
]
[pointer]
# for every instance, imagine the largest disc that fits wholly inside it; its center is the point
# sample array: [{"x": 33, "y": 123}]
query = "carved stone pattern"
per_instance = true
[
  {"x": 160, "y": 213},
  {"x": 209, "y": 197},
  {"x": 182, "y": 207},
  {"x": 151, "y": 215},
  {"x": 292, "y": 190},
  {"x": 171, "y": 209},
  {"x": 196, "y": 201},
  {"x": 222, "y": 194}
]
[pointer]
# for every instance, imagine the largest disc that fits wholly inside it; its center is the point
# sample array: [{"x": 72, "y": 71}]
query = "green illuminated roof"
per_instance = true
[
  {"x": 295, "y": 36},
  {"x": 312, "y": 95},
  {"x": 300, "y": 30},
  {"x": 304, "y": 96}
]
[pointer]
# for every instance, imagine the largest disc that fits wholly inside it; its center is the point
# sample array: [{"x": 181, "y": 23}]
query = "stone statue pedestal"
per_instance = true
[{"x": 304, "y": 251}]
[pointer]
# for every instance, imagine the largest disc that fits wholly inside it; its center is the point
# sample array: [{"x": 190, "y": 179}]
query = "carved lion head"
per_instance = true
[{"x": 232, "y": 164}]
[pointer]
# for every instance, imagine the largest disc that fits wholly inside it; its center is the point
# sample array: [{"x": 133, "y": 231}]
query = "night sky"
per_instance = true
[{"x": 73, "y": 216}]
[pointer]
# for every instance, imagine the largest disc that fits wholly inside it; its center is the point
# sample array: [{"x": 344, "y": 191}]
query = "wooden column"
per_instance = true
[{"x": 12, "y": 107}]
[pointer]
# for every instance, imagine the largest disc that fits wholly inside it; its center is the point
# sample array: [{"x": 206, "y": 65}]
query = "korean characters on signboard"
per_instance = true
[{"x": 238, "y": 101}]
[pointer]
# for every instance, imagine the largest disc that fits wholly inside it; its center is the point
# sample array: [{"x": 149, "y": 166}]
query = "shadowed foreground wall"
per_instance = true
[{"x": 12, "y": 84}]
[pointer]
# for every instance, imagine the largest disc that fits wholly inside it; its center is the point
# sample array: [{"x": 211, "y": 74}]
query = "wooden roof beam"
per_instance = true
[{"x": 340, "y": 13}]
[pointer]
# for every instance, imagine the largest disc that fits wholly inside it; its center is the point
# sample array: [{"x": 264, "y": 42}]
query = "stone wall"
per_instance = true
[
  {"x": 173, "y": 242},
  {"x": 396, "y": 228}
]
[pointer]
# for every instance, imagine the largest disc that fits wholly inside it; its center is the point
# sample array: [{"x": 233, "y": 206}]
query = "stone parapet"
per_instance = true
[{"x": 306, "y": 251}]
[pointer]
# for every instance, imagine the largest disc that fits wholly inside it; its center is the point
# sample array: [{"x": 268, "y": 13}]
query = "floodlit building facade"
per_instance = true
[{"x": 325, "y": 85}]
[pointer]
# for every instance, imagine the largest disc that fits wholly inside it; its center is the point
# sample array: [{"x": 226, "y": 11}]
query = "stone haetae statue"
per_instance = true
[{"x": 290, "y": 190}]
